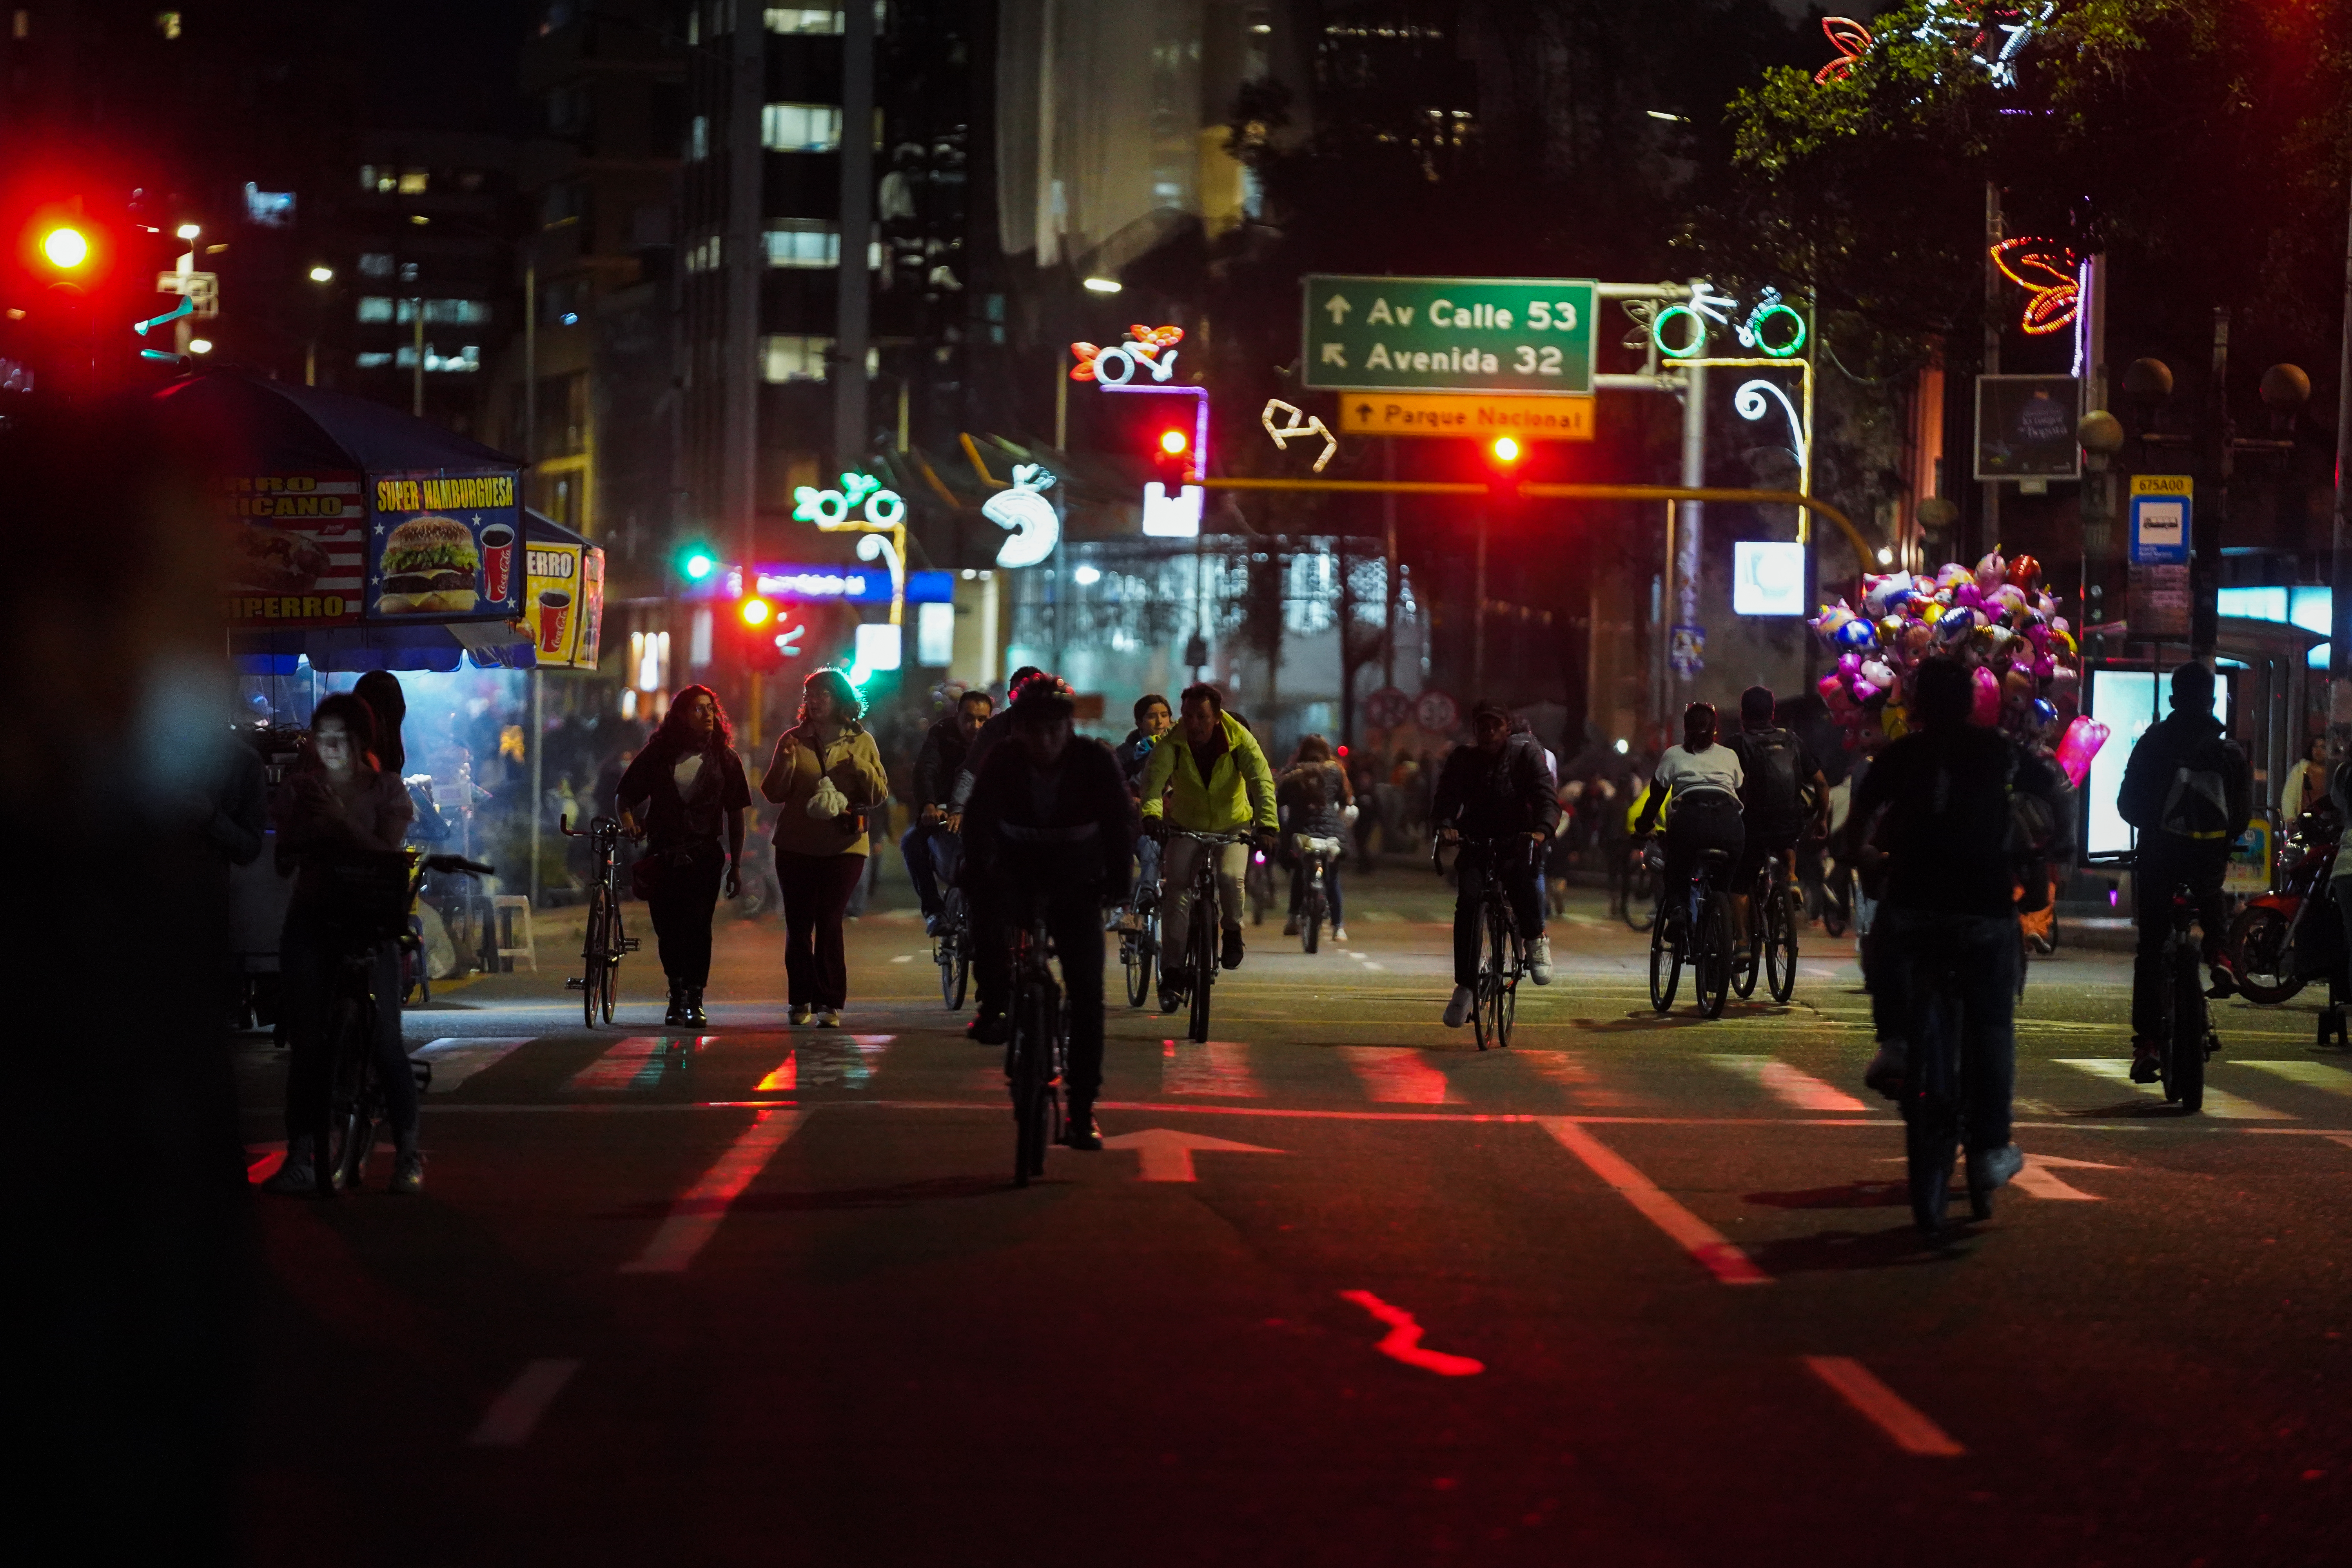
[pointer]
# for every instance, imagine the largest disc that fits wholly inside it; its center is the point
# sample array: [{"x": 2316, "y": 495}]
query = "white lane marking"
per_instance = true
[
  {"x": 2343, "y": 1138},
  {"x": 1398, "y": 1075},
  {"x": 2038, "y": 1179},
  {"x": 2310, "y": 1074},
  {"x": 1165, "y": 1154},
  {"x": 1573, "y": 1073},
  {"x": 1788, "y": 1085},
  {"x": 2218, "y": 1102},
  {"x": 512, "y": 1415},
  {"x": 1402, "y": 1341},
  {"x": 455, "y": 1061},
  {"x": 1700, "y": 1240},
  {"x": 1376, "y": 968},
  {"x": 635, "y": 1062},
  {"x": 1887, "y": 1410},
  {"x": 694, "y": 1219},
  {"x": 904, "y": 958},
  {"x": 1219, "y": 1067}
]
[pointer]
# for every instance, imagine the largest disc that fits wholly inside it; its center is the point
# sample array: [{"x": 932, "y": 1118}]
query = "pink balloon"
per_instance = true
[
  {"x": 2045, "y": 667},
  {"x": 2082, "y": 741},
  {"x": 1986, "y": 708}
]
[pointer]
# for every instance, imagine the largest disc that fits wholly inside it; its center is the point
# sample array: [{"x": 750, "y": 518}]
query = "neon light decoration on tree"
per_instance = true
[
  {"x": 1990, "y": 35},
  {"x": 2051, "y": 276}
]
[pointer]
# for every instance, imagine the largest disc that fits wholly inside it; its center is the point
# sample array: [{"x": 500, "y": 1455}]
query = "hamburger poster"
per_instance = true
[
  {"x": 299, "y": 548},
  {"x": 444, "y": 547}
]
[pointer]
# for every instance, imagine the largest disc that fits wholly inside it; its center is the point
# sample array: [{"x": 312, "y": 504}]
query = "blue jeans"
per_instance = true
[
  {"x": 1909, "y": 948},
  {"x": 1146, "y": 867},
  {"x": 930, "y": 850}
]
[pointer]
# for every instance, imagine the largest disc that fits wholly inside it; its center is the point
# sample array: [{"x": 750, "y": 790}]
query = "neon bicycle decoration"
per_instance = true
[
  {"x": 1771, "y": 327},
  {"x": 1151, "y": 348}
]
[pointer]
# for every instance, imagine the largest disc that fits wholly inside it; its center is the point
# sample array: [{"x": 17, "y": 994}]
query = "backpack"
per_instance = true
[
  {"x": 1773, "y": 759},
  {"x": 2197, "y": 801}
]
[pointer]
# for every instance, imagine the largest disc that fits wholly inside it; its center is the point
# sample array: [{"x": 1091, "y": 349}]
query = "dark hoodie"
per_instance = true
[
  {"x": 2183, "y": 738},
  {"x": 942, "y": 758}
]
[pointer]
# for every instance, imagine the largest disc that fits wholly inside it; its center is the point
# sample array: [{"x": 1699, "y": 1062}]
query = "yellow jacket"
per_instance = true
[
  {"x": 1238, "y": 790},
  {"x": 854, "y": 765}
]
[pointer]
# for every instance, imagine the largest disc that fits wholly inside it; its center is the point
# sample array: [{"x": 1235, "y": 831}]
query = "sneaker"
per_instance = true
[
  {"x": 1539, "y": 960},
  {"x": 1231, "y": 958},
  {"x": 1290, "y": 926},
  {"x": 1884, "y": 1073},
  {"x": 829, "y": 1017},
  {"x": 991, "y": 1030},
  {"x": 1171, "y": 1001},
  {"x": 296, "y": 1176},
  {"x": 934, "y": 924},
  {"x": 799, "y": 1014},
  {"x": 1339, "y": 933},
  {"x": 1990, "y": 1168},
  {"x": 1080, "y": 1130},
  {"x": 2224, "y": 984},
  {"x": 1457, "y": 1010},
  {"x": 2147, "y": 1061},
  {"x": 407, "y": 1175}
]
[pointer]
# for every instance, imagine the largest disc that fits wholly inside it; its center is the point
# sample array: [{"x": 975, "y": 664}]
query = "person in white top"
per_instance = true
[
  {"x": 1704, "y": 778},
  {"x": 2306, "y": 782}
]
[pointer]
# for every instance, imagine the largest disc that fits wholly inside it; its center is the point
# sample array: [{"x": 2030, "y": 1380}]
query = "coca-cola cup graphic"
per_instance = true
[
  {"x": 498, "y": 562},
  {"x": 554, "y": 621}
]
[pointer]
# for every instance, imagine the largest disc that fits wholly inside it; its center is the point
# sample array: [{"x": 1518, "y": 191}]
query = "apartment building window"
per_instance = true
[
  {"x": 375, "y": 307},
  {"x": 802, "y": 242},
  {"x": 459, "y": 312},
  {"x": 801, "y": 127},
  {"x": 704, "y": 254},
  {"x": 413, "y": 181},
  {"x": 698, "y": 139},
  {"x": 810, "y": 19},
  {"x": 375, "y": 264},
  {"x": 790, "y": 357}
]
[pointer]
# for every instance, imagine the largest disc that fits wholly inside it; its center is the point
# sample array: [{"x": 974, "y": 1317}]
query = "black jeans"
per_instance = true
[
  {"x": 1073, "y": 919},
  {"x": 2166, "y": 861},
  {"x": 1909, "y": 949},
  {"x": 682, "y": 898},
  {"x": 1698, "y": 825},
  {"x": 816, "y": 898},
  {"x": 1521, "y": 886},
  {"x": 310, "y": 970}
]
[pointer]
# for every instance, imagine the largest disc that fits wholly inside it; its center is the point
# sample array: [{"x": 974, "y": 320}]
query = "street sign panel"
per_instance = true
[
  {"x": 2160, "y": 511},
  {"x": 1449, "y": 334},
  {"x": 1767, "y": 578},
  {"x": 1473, "y": 414}
]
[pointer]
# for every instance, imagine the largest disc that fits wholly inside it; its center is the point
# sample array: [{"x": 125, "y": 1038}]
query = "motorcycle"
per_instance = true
[{"x": 2288, "y": 937}]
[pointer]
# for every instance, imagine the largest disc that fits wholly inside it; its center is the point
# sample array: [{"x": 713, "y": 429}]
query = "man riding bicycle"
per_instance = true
[
  {"x": 928, "y": 848},
  {"x": 1498, "y": 788},
  {"x": 2190, "y": 791},
  {"x": 1778, "y": 768},
  {"x": 1951, "y": 898},
  {"x": 1217, "y": 780},
  {"x": 1049, "y": 822},
  {"x": 1705, "y": 780}
]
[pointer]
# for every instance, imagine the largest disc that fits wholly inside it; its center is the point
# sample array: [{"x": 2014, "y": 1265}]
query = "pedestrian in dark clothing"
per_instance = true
[
  {"x": 998, "y": 730},
  {"x": 1496, "y": 797},
  {"x": 928, "y": 846},
  {"x": 380, "y": 689},
  {"x": 1048, "y": 828},
  {"x": 2190, "y": 791},
  {"x": 681, "y": 793}
]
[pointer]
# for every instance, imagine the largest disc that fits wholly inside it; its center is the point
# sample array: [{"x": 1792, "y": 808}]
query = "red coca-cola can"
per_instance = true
[{"x": 498, "y": 562}]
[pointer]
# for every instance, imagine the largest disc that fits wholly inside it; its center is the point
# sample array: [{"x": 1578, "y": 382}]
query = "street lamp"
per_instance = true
[{"x": 322, "y": 275}]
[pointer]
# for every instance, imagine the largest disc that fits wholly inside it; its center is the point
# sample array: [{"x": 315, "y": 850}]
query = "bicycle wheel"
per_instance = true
[
  {"x": 2261, "y": 956},
  {"x": 593, "y": 947},
  {"x": 1310, "y": 917},
  {"x": 1202, "y": 960},
  {"x": 2184, "y": 1052},
  {"x": 1716, "y": 957},
  {"x": 1025, "y": 1070},
  {"x": 1780, "y": 948},
  {"x": 1665, "y": 966},
  {"x": 1493, "y": 1002},
  {"x": 1747, "y": 958},
  {"x": 1931, "y": 1146},
  {"x": 1135, "y": 953},
  {"x": 353, "y": 1119},
  {"x": 1641, "y": 909},
  {"x": 608, "y": 994}
]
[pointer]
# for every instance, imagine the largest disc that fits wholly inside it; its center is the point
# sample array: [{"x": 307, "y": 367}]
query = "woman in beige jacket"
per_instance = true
[{"x": 826, "y": 774}]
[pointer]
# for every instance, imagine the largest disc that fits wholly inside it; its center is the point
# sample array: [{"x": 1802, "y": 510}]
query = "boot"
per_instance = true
[
  {"x": 677, "y": 1014},
  {"x": 407, "y": 1167},
  {"x": 695, "y": 1017},
  {"x": 1079, "y": 1130}
]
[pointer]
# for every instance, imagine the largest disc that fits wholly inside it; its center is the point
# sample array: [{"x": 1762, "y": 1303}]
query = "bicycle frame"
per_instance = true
[
  {"x": 1201, "y": 948},
  {"x": 1035, "y": 1056}
]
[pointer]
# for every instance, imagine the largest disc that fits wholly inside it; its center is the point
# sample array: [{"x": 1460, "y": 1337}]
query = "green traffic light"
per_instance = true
[{"x": 698, "y": 564}]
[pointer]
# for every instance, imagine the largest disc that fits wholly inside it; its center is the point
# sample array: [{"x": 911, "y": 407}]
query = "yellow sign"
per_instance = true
[
  {"x": 2163, "y": 485},
  {"x": 563, "y": 602},
  {"x": 1465, "y": 414}
]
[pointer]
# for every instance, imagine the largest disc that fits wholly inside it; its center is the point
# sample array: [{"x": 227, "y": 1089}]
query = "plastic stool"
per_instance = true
[{"x": 503, "y": 926}]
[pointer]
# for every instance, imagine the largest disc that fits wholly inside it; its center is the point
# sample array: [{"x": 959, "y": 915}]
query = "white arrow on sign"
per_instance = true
[
  {"x": 1167, "y": 1154},
  {"x": 1334, "y": 355},
  {"x": 1339, "y": 307}
]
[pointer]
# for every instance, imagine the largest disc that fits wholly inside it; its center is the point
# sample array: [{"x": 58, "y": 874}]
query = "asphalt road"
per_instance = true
[{"x": 1638, "y": 1290}]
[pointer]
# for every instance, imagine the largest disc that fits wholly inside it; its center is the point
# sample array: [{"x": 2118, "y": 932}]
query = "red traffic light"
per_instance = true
[
  {"x": 756, "y": 612},
  {"x": 1506, "y": 450},
  {"x": 64, "y": 248},
  {"x": 1173, "y": 442}
]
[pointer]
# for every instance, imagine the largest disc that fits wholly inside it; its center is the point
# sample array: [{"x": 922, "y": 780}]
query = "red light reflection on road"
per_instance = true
[{"x": 1402, "y": 1341}]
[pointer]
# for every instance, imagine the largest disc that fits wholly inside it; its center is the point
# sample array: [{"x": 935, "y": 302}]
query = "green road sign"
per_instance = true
[{"x": 1449, "y": 334}]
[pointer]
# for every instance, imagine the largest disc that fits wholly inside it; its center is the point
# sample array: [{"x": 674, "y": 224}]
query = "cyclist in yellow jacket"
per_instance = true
[{"x": 1215, "y": 780}]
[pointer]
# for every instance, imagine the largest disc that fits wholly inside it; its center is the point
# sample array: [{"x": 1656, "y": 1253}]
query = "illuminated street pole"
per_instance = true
[{"x": 2339, "y": 643}]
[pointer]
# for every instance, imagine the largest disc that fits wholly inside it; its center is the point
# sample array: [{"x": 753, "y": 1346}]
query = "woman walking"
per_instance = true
[
  {"x": 825, "y": 775},
  {"x": 1319, "y": 803},
  {"x": 680, "y": 792}
]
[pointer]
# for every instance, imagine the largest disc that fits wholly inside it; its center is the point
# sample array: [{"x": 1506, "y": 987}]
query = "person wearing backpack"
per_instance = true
[
  {"x": 2190, "y": 791},
  {"x": 1777, "y": 768}
]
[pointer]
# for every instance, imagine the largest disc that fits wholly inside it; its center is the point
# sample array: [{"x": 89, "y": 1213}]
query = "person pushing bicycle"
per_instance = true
[
  {"x": 1049, "y": 821},
  {"x": 1215, "y": 780},
  {"x": 1496, "y": 788}
]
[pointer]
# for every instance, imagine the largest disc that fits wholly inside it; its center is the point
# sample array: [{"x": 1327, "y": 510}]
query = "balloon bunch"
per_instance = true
[{"x": 1997, "y": 619}]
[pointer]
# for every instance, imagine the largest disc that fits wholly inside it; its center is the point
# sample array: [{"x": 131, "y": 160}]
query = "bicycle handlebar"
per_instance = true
[
  {"x": 1237, "y": 836},
  {"x": 596, "y": 826},
  {"x": 459, "y": 863}
]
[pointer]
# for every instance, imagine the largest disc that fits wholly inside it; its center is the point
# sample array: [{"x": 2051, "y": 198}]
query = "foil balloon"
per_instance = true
[
  {"x": 1881, "y": 595},
  {"x": 2017, "y": 684},
  {"x": 1967, "y": 596},
  {"x": 2045, "y": 667},
  {"x": 1992, "y": 572},
  {"x": 1952, "y": 629},
  {"x": 1917, "y": 636},
  {"x": 2081, "y": 742},
  {"x": 2023, "y": 569},
  {"x": 1984, "y": 709},
  {"x": 1951, "y": 576},
  {"x": 2044, "y": 711},
  {"x": 1849, "y": 664},
  {"x": 1879, "y": 674},
  {"x": 1890, "y": 630},
  {"x": 1856, "y": 633}
]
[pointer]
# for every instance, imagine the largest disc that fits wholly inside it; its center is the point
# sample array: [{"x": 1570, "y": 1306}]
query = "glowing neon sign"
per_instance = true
[
  {"x": 1771, "y": 327},
  {"x": 1150, "y": 348},
  {"x": 831, "y": 509},
  {"x": 1291, "y": 429},
  {"x": 1991, "y": 36},
  {"x": 1853, "y": 40},
  {"x": 2051, "y": 276},
  {"x": 1024, "y": 509}
]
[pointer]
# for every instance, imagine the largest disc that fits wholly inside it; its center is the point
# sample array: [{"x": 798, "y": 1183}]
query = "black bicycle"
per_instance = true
[
  {"x": 372, "y": 895},
  {"x": 1771, "y": 950},
  {"x": 1139, "y": 941},
  {"x": 1201, "y": 927},
  {"x": 1935, "y": 1090},
  {"x": 604, "y": 942},
  {"x": 1037, "y": 1054},
  {"x": 1696, "y": 931},
  {"x": 1502, "y": 957},
  {"x": 951, "y": 949},
  {"x": 1314, "y": 857},
  {"x": 1641, "y": 907},
  {"x": 2186, "y": 1039}
]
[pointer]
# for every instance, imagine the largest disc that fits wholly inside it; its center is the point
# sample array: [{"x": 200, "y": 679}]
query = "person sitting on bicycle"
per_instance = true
[
  {"x": 1778, "y": 769},
  {"x": 1320, "y": 804},
  {"x": 1704, "y": 779},
  {"x": 1152, "y": 722},
  {"x": 1215, "y": 780},
  {"x": 927, "y": 847},
  {"x": 1049, "y": 819},
  {"x": 1498, "y": 787},
  {"x": 335, "y": 803},
  {"x": 2190, "y": 791}
]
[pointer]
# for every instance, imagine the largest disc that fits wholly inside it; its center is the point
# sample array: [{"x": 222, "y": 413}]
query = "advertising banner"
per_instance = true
[
  {"x": 2025, "y": 427},
  {"x": 444, "y": 547},
  {"x": 564, "y": 604},
  {"x": 298, "y": 549}
]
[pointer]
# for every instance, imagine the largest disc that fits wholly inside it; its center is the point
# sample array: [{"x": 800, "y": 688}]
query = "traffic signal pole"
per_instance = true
[{"x": 2339, "y": 642}]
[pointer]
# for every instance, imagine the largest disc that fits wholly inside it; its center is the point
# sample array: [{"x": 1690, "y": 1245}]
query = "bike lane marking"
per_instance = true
[
  {"x": 1218, "y": 1068},
  {"x": 457, "y": 1058},
  {"x": 514, "y": 1415},
  {"x": 2310, "y": 1074},
  {"x": 1712, "y": 1249},
  {"x": 1789, "y": 1086},
  {"x": 1888, "y": 1411},
  {"x": 2218, "y": 1102},
  {"x": 694, "y": 1219},
  {"x": 1399, "y": 1075}
]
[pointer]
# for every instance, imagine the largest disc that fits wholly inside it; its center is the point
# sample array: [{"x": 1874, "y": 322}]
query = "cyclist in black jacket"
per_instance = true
[
  {"x": 1777, "y": 770},
  {"x": 927, "y": 847},
  {"x": 2191, "y": 794},
  {"x": 1496, "y": 787}
]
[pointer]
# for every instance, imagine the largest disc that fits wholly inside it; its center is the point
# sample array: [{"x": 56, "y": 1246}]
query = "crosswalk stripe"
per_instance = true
[
  {"x": 631, "y": 1063},
  {"x": 1713, "y": 1250},
  {"x": 1398, "y": 1075},
  {"x": 1217, "y": 1067},
  {"x": 459, "y": 1058},
  {"x": 1791, "y": 1087},
  {"x": 1887, "y": 1410},
  {"x": 2218, "y": 1102},
  {"x": 694, "y": 1219},
  {"x": 514, "y": 1414},
  {"x": 2310, "y": 1074}
]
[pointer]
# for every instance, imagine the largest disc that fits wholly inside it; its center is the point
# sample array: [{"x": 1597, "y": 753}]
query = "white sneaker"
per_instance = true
[
  {"x": 799, "y": 1015},
  {"x": 1990, "y": 1168},
  {"x": 1339, "y": 933},
  {"x": 828, "y": 1018},
  {"x": 1539, "y": 960},
  {"x": 1457, "y": 1011}
]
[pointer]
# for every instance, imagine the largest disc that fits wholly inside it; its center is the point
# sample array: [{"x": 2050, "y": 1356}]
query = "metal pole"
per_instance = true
[
  {"x": 2212, "y": 511},
  {"x": 1991, "y": 488},
  {"x": 1683, "y": 610},
  {"x": 531, "y": 374},
  {"x": 1061, "y": 406},
  {"x": 2339, "y": 643},
  {"x": 1478, "y": 620},
  {"x": 538, "y": 773},
  {"x": 1394, "y": 578},
  {"x": 851, "y": 313}
]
